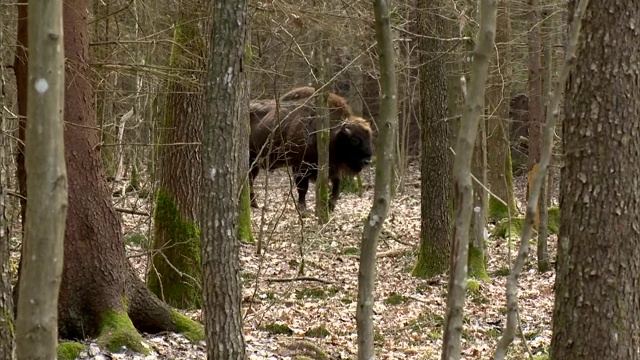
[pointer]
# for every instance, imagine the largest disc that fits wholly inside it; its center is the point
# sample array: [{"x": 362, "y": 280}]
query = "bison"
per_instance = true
[{"x": 286, "y": 136}]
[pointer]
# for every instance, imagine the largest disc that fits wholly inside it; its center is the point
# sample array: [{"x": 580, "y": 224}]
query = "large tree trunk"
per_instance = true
[
  {"x": 221, "y": 183},
  {"x": 597, "y": 304},
  {"x": 435, "y": 167},
  {"x": 382, "y": 194},
  {"x": 175, "y": 273},
  {"x": 42, "y": 247},
  {"x": 100, "y": 295}
]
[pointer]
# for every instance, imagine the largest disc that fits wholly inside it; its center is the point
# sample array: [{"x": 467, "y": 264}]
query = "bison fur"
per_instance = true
[{"x": 285, "y": 136}]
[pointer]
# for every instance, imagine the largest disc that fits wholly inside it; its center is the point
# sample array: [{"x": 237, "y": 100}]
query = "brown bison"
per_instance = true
[{"x": 286, "y": 136}]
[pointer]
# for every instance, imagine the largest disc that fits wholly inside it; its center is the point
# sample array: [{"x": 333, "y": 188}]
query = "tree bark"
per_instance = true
[
  {"x": 7, "y": 338},
  {"x": 500, "y": 172},
  {"x": 597, "y": 305},
  {"x": 322, "y": 51},
  {"x": 535, "y": 86},
  {"x": 382, "y": 193},
  {"x": 435, "y": 166},
  {"x": 463, "y": 188},
  {"x": 221, "y": 182},
  {"x": 42, "y": 247},
  {"x": 175, "y": 275},
  {"x": 100, "y": 295}
]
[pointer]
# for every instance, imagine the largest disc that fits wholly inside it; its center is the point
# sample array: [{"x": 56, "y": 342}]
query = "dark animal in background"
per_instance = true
[{"x": 287, "y": 137}]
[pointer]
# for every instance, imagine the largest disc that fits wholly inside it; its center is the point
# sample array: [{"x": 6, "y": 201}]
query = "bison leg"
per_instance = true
[
  {"x": 252, "y": 175},
  {"x": 302, "y": 184},
  {"x": 335, "y": 192}
]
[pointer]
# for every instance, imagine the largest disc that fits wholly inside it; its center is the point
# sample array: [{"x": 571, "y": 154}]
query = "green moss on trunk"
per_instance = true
[
  {"x": 352, "y": 185},
  {"x": 431, "y": 261},
  {"x": 517, "y": 223},
  {"x": 477, "y": 266},
  {"x": 69, "y": 350},
  {"x": 245, "y": 230},
  {"x": 179, "y": 242},
  {"x": 498, "y": 210},
  {"x": 117, "y": 330},
  {"x": 192, "y": 330}
]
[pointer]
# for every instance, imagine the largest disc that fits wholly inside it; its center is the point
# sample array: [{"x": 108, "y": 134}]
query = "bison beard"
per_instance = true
[{"x": 285, "y": 135}]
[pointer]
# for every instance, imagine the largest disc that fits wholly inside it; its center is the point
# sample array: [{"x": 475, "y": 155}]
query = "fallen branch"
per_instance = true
[
  {"x": 132, "y": 212},
  {"x": 301, "y": 278}
]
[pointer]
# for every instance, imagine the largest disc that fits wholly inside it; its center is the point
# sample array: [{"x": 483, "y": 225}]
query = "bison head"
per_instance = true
[{"x": 353, "y": 144}]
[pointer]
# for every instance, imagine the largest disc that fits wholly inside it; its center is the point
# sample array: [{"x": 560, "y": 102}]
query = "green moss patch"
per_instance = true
[
  {"x": 69, "y": 350},
  {"x": 192, "y": 330},
  {"x": 179, "y": 241},
  {"x": 395, "y": 299},
  {"x": 245, "y": 227},
  {"x": 117, "y": 331},
  {"x": 277, "y": 329},
  {"x": 316, "y": 292},
  {"x": 317, "y": 332},
  {"x": 477, "y": 267}
]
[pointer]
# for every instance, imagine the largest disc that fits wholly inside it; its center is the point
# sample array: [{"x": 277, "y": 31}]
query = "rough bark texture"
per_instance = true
[
  {"x": 382, "y": 194},
  {"x": 42, "y": 247},
  {"x": 499, "y": 175},
  {"x": 7, "y": 339},
  {"x": 175, "y": 275},
  {"x": 435, "y": 167},
  {"x": 100, "y": 295},
  {"x": 597, "y": 306},
  {"x": 221, "y": 181},
  {"x": 463, "y": 188}
]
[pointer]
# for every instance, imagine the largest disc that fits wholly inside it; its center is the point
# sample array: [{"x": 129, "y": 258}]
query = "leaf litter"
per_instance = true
[{"x": 289, "y": 313}]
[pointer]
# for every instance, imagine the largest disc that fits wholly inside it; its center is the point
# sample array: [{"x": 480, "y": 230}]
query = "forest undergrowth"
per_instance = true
[{"x": 289, "y": 313}]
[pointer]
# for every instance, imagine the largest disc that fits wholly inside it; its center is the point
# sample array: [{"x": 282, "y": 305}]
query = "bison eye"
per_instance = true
[{"x": 355, "y": 141}]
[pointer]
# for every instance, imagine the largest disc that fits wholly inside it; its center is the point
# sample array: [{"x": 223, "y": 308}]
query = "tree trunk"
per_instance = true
[
  {"x": 42, "y": 248},
  {"x": 544, "y": 264},
  {"x": 500, "y": 173},
  {"x": 322, "y": 51},
  {"x": 175, "y": 275},
  {"x": 597, "y": 303},
  {"x": 100, "y": 295},
  {"x": 388, "y": 123},
  {"x": 463, "y": 187},
  {"x": 7, "y": 338},
  {"x": 535, "y": 86},
  {"x": 435, "y": 167},
  {"x": 225, "y": 97},
  {"x": 477, "y": 242}
]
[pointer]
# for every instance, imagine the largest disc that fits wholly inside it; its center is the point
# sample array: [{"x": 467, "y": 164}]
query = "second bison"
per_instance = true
[{"x": 286, "y": 136}]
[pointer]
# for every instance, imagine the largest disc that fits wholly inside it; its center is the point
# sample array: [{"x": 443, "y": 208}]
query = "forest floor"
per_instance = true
[{"x": 285, "y": 315}]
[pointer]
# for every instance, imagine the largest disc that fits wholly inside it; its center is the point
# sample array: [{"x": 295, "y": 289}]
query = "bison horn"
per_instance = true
[{"x": 347, "y": 131}]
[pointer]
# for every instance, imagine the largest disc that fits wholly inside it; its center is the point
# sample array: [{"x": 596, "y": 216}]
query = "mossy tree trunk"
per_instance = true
[
  {"x": 597, "y": 300},
  {"x": 42, "y": 248},
  {"x": 224, "y": 124},
  {"x": 500, "y": 173},
  {"x": 100, "y": 294},
  {"x": 175, "y": 275},
  {"x": 435, "y": 167}
]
